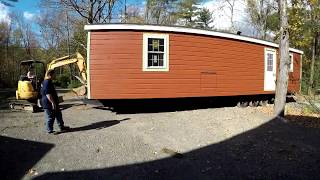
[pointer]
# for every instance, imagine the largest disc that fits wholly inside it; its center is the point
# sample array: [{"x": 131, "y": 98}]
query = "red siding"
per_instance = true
[
  {"x": 294, "y": 77},
  {"x": 198, "y": 66}
]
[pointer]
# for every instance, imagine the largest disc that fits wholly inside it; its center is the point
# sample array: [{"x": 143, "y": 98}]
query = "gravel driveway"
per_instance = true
[{"x": 220, "y": 143}]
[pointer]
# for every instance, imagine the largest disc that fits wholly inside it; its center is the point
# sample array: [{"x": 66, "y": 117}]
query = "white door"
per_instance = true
[{"x": 269, "y": 69}]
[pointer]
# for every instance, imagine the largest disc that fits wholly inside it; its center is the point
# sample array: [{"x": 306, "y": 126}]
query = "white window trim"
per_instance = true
[
  {"x": 145, "y": 52},
  {"x": 291, "y": 62}
]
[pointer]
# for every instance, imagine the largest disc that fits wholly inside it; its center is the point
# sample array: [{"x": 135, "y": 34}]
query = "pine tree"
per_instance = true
[{"x": 205, "y": 18}]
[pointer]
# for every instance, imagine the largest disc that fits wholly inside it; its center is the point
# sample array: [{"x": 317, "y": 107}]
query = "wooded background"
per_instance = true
[{"x": 60, "y": 30}]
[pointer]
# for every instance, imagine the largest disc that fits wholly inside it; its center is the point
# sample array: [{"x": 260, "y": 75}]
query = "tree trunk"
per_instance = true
[
  {"x": 90, "y": 13},
  {"x": 282, "y": 79},
  {"x": 311, "y": 79}
]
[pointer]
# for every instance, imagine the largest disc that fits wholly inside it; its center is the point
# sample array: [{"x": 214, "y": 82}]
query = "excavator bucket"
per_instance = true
[{"x": 80, "y": 91}]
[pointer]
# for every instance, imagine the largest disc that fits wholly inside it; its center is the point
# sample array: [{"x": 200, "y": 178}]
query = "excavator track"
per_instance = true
[{"x": 24, "y": 105}]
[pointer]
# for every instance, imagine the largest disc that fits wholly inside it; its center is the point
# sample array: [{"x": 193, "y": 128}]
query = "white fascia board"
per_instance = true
[
  {"x": 88, "y": 67},
  {"x": 183, "y": 30}
]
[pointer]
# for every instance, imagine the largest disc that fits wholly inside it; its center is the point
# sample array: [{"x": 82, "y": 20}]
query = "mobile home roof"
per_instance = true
[{"x": 181, "y": 30}]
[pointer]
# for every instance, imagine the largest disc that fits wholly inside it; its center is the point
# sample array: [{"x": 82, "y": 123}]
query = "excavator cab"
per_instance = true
[{"x": 31, "y": 76}]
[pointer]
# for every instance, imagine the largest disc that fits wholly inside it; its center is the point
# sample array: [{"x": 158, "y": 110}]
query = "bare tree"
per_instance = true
[
  {"x": 52, "y": 29},
  {"x": 18, "y": 41},
  {"x": 5, "y": 31},
  {"x": 94, "y": 11},
  {"x": 315, "y": 20},
  {"x": 312, "y": 64},
  {"x": 159, "y": 11},
  {"x": 25, "y": 33},
  {"x": 282, "y": 79},
  {"x": 133, "y": 14},
  {"x": 259, "y": 11},
  {"x": 231, "y": 7}
]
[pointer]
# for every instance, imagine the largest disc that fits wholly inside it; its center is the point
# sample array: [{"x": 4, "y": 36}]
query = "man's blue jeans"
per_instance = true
[{"x": 50, "y": 116}]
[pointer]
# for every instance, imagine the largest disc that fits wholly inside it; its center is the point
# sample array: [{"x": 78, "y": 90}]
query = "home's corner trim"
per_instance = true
[{"x": 88, "y": 66}]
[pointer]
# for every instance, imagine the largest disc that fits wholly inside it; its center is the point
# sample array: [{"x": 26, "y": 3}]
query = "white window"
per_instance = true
[
  {"x": 291, "y": 63},
  {"x": 155, "y": 52},
  {"x": 269, "y": 62}
]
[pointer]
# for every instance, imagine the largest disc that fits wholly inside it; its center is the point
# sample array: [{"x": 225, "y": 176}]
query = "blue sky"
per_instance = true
[
  {"x": 32, "y": 5},
  {"x": 30, "y": 8},
  {"x": 221, "y": 12},
  {"x": 26, "y": 5}
]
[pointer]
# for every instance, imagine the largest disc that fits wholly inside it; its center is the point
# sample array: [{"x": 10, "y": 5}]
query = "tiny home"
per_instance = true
[{"x": 128, "y": 61}]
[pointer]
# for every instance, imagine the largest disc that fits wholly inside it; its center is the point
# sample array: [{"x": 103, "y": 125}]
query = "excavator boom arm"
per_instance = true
[{"x": 76, "y": 58}]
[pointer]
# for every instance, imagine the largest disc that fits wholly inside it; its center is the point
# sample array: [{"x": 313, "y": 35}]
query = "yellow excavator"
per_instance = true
[{"x": 29, "y": 85}]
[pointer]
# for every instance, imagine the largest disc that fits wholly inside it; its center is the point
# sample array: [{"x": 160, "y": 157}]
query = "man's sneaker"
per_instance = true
[{"x": 50, "y": 132}]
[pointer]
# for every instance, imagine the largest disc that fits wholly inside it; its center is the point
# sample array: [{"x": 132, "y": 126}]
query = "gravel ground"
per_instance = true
[{"x": 220, "y": 143}]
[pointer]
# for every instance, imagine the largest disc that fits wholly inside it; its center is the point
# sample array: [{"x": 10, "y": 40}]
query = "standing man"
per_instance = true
[{"x": 50, "y": 103}]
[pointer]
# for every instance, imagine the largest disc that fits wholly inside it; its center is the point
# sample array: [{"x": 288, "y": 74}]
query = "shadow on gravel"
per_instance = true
[
  {"x": 69, "y": 105},
  {"x": 275, "y": 150},
  {"x": 133, "y": 106},
  {"x": 63, "y": 90},
  {"x": 18, "y": 156},
  {"x": 96, "y": 126},
  {"x": 5, "y": 95},
  {"x": 305, "y": 121}
]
